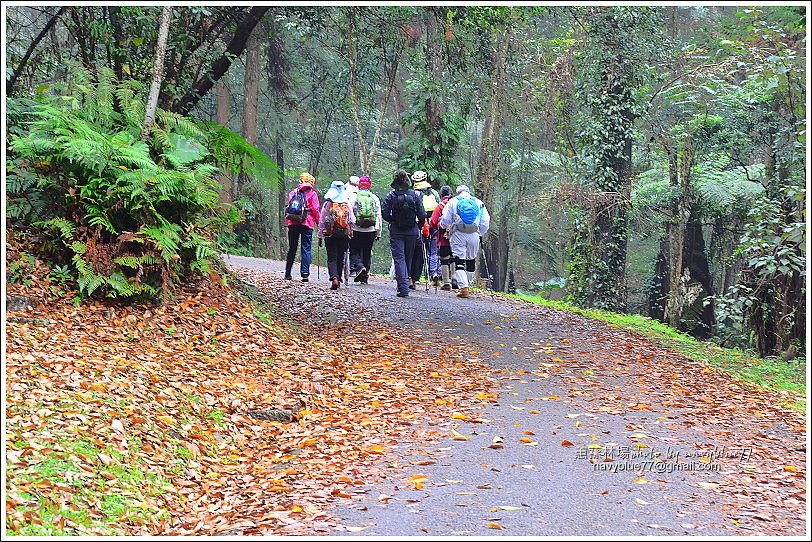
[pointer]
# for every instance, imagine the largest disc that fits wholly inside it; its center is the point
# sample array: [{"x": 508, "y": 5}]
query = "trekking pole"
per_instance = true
[
  {"x": 436, "y": 282},
  {"x": 425, "y": 261},
  {"x": 485, "y": 259},
  {"x": 347, "y": 268},
  {"x": 318, "y": 260}
]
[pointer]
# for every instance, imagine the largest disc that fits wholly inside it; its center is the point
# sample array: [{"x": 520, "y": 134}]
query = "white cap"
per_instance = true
[{"x": 462, "y": 188}]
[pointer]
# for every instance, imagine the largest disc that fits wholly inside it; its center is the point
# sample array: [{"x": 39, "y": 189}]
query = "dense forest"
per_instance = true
[{"x": 634, "y": 159}]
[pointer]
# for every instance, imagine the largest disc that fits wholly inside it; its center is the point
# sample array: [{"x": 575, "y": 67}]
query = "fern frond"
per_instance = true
[{"x": 66, "y": 228}]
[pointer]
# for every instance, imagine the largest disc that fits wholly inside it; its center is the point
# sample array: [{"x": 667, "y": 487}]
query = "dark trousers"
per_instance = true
[
  {"x": 296, "y": 232},
  {"x": 417, "y": 268},
  {"x": 403, "y": 248},
  {"x": 361, "y": 250},
  {"x": 336, "y": 249}
]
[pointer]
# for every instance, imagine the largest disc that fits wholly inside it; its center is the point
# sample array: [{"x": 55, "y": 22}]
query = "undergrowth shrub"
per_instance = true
[{"x": 130, "y": 217}]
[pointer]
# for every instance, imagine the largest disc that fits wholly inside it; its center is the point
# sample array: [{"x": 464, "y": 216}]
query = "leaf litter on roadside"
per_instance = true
[{"x": 146, "y": 408}]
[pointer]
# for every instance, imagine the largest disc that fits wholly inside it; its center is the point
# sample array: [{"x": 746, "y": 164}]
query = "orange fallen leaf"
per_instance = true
[
  {"x": 166, "y": 420},
  {"x": 494, "y": 525}
]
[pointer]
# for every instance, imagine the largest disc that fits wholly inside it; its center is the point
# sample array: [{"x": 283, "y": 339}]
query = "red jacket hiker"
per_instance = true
[{"x": 434, "y": 222}]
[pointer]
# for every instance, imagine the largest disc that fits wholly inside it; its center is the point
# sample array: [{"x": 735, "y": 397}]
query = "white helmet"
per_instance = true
[{"x": 418, "y": 176}]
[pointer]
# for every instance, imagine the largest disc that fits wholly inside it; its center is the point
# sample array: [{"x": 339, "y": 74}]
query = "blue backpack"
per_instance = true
[{"x": 469, "y": 212}]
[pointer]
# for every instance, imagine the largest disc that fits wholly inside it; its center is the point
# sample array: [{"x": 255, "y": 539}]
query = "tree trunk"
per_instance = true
[
  {"x": 391, "y": 73},
  {"x": 113, "y": 13},
  {"x": 11, "y": 83},
  {"x": 611, "y": 220},
  {"x": 251, "y": 97},
  {"x": 223, "y": 118},
  {"x": 683, "y": 278},
  {"x": 282, "y": 198},
  {"x": 234, "y": 49},
  {"x": 352, "y": 60},
  {"x": 434, "y": 106},
  {"x": 487, "y": 167},
  {"x": 158, "y": 72},
  {"x": 400, "y": 107}
]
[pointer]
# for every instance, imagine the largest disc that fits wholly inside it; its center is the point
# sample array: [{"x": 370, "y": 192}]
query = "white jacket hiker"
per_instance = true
[{"x": 464, "y": 246}]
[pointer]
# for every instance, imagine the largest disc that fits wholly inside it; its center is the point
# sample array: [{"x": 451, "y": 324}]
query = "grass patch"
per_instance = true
[
  {"x": 55, "y": 493},
  {"x": 218, "y": 417},
  {"x": 769, "y": 374}
]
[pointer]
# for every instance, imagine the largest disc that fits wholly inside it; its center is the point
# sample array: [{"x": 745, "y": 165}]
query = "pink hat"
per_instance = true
[{"x": 365, "y": 182}]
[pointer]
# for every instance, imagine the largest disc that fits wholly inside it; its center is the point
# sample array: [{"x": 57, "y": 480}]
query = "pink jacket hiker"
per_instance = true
[{"x": 312, "y": 204}]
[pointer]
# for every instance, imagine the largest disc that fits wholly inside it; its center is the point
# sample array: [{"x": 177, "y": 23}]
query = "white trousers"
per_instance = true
[{"x": 465, "y": 248}]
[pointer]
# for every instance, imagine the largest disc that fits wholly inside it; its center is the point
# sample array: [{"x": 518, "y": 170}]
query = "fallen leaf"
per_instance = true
[
  {"x": 494, "y": 525},
  {"x": 459, "y": 436},
  {"x": 166, "y": 420}
]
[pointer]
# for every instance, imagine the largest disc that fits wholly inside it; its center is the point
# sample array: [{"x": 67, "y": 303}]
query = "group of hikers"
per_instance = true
[{"x": 433, "y": 233}]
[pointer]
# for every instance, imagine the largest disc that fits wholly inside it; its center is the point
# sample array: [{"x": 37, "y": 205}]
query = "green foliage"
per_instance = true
[
  {"x": 21, "y": 269},
  {"x": 765, "y": 307},
  {"x": 436, "y": 158},
  {"x": 133, "y": 217}
]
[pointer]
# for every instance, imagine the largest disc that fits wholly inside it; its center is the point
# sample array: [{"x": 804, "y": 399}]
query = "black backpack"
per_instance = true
[{"x": 404, "y": 210}]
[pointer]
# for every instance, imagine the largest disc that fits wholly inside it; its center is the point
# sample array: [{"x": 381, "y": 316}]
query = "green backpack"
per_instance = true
[{"x": 364, "y": 209}]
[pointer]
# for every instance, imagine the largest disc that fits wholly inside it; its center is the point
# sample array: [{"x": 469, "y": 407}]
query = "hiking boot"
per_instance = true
[
  {"x": 362, "y": 275},
  {"x": 446, "y": 287},
  {"x": 288, "y": 277},
  {"x": 305, "y": 278},
  {"x": 335, "y": 283},
  {"x": 464, "y": 292},
  {"x": 435, "y": 280},
  {"x": 413, "y": 285},
  {"x": 454, "y": 285},
  {"x": 403, "y": 294}
]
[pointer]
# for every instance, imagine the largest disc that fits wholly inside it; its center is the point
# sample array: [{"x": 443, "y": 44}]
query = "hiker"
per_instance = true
[
  {"x": 301, "y": 217},
  {"x": 352, "y": 185},
  {"x": 467, "y": 219},
  {"x": 430, "y": 199},
  {"x": 443, "y": 244},
  {"x": 403, "y": 210},
  {"x": 367, "y": 229},
  {"x": 335, "y": 229}
]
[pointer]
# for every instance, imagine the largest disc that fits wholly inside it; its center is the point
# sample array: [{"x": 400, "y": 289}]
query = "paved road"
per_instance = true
[{"x": 554, "y": 483}]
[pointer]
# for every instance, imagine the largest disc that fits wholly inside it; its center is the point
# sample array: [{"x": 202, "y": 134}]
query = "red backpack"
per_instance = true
[{"x": 337, "y": 221}]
